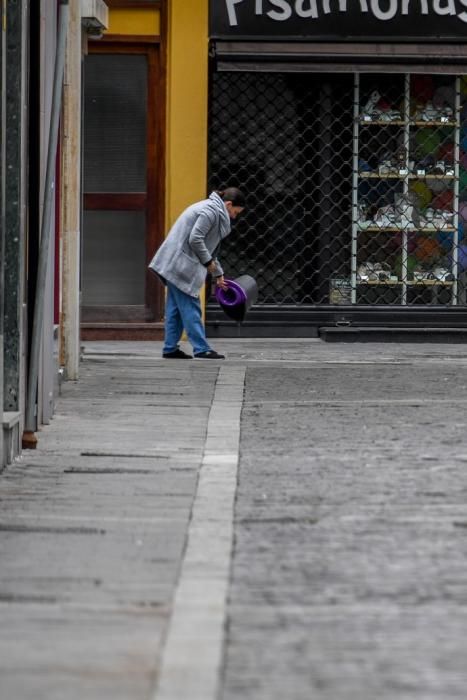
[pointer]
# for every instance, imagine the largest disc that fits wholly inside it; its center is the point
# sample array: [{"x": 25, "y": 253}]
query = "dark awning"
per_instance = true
[{"x": 297, "y": 57}]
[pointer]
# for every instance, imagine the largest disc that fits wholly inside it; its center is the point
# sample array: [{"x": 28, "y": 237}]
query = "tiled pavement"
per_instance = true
[{"x": 350, "y": 550}]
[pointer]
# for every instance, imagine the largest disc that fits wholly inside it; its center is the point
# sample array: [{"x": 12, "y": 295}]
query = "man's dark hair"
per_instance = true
[{"x": 234, "y": 195}]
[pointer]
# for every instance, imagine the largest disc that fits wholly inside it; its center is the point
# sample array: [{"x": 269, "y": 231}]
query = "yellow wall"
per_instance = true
[
  {"x": 187, "y": 111},
  {"x": 134, "y": 21},
  {"x": 187, "y": 94}
]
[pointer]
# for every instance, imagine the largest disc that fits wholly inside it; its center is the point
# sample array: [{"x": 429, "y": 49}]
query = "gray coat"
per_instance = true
[{"x": 193, "y": 241}]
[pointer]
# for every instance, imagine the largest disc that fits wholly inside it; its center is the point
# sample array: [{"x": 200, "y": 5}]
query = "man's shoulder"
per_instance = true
[
  {"x": 191, "y": 214},
  {"x": 206, "y": 205}
]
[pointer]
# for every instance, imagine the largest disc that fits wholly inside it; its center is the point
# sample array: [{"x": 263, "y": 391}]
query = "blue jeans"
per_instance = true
[{"x": 183, "y": 312}]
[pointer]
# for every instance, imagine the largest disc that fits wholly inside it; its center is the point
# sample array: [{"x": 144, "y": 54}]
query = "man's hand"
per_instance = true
[
  {"x": 220, "y": 281},
  {"x": 211, "y": 267}
]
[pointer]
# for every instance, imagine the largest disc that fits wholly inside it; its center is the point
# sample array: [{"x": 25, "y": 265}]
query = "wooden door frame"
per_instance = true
[{"x": 154, "y": 197}]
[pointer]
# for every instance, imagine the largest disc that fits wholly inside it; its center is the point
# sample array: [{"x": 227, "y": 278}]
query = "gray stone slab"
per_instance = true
[
  {"x": 51, "y": 652},
  {"x": 92, "y": 532},
  {"x": 349, "y": 566}
]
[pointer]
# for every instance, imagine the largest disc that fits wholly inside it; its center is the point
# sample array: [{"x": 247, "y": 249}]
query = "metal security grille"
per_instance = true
[
  {"x": 356, "y": 185},
  {"x": 287, "y": 141}
]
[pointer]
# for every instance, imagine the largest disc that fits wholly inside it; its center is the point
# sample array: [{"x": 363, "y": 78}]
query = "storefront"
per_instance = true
[{"x": 346, "y": 124}]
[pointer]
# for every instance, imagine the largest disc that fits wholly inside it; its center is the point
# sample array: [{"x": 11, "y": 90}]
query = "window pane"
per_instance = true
[
  {"x": 115, "y": 102},
  {"x": 114, "y": 257}
]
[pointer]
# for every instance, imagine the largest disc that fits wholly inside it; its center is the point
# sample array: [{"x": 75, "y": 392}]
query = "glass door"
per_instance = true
[{"x": 120, "y": 225}]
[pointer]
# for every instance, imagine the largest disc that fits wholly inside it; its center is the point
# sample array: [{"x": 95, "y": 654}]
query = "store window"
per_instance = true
[{"x": 357, "y": 185}]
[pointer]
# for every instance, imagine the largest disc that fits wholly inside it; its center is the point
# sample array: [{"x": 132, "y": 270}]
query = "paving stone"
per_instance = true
[
  {"x": 351, "y": 537},
  {"x": 93, "y": 528},
  {"x": 350, "y": 558}
]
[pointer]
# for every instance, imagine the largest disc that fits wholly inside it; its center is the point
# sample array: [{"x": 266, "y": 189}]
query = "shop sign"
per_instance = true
[{"x": 391, "y": 20}]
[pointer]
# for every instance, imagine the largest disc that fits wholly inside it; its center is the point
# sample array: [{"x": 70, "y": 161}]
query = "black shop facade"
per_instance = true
[{"x": 345, "y": 123}]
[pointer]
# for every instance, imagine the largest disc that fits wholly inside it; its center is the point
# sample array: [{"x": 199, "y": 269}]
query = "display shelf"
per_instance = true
[
  {"x": 380, "y": 283},
  {"x": 398, "y": 229},
  {"x": 420, "y": 122},
  {"x": 401, "y": 180},
  {"x": 380, "y": 229},
  {"x": 432, "y": 177},
  {"x": 366, "y": 175},
  {"x": 441, "y": 229},
  {"x": 409, "y": 283},
  {"x": 376, "y": 176},
  {"x": 430, "y": 283},
  {"x": 411, "y": 122},
  {"x": 381, "y": 122}
]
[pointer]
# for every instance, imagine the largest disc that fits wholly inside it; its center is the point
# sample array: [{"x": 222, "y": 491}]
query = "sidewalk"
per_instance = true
[
  {"x": 93, "y": 529},
  {"x": 116, "y": 534}
]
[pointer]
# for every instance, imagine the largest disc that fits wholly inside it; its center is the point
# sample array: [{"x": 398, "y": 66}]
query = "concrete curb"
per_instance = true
[{"x": 192, "y": 656}]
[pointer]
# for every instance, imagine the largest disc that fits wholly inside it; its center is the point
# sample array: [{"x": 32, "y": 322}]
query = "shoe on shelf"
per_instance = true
[
  {"x": 374, "y": 272},
  {"x": 209, "y": 355},
  {"x": 442, "y": 168},
  {"x": 428, "y": 113},
  {"x": 443, "y": 274},
  {"x": 424, "y": 166},
  {"x": 390, "y": 115},
  {"x": 176, "y": 355}
]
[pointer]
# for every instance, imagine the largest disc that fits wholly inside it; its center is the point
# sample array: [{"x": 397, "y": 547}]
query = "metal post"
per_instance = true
[
  {"x": 455, "y": 242},
  {"x": 15, "y": 206},
  {"x": 71, "y": 197},
  {"x": 2, "y": 201},
  {"x": 405, "y": 185},
  {"x": 29, "y": 439},
  {"x": 355, "y": 145}
]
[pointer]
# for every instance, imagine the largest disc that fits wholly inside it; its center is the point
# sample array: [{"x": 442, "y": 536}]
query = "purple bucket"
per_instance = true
[
  {"x": 232, "y": 296},
  {"x": 239, "y": 296}
]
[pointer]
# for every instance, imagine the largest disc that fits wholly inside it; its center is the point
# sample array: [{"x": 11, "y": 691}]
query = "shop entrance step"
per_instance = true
[
  {"x": 122, "y": 331},
  {"x": 362, "y": 334}
]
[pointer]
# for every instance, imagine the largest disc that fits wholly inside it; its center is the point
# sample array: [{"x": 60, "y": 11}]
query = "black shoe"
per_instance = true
[
  {"x": 209, "y": 355},
  {"x": 176, "y": 355}
]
